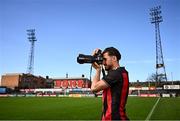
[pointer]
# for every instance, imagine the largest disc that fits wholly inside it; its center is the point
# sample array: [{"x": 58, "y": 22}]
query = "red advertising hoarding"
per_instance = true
[{"x": 79, "y": 83}]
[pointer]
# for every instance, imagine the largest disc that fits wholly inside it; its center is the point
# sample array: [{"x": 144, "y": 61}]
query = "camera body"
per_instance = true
[{"x": 98, "y": 58}]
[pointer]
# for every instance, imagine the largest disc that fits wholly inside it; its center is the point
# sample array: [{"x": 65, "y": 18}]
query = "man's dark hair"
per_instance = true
[{"x": 113, "y": 52}]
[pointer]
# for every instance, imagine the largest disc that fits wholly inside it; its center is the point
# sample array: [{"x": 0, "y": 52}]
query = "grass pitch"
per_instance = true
[{"x": 58, "y": 108}]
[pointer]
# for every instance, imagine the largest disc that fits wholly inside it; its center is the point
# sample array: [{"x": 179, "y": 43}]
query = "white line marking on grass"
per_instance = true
[{"x": 152, "y": 110}]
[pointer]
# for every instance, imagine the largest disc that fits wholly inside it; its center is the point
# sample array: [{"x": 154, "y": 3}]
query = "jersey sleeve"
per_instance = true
[{"x": 111, "y": 78}]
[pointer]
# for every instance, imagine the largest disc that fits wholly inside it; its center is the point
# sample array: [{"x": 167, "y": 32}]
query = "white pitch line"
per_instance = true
[{"x": 152, "y": 110}]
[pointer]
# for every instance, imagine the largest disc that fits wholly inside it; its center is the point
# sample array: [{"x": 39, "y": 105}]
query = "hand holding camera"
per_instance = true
[{"x": 96, "y": 65}]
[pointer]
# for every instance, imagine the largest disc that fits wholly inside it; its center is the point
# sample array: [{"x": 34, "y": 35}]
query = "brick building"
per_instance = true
[{"x": 21, "y": 80}]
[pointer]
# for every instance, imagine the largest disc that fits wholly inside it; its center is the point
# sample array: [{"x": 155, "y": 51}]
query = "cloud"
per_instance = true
[
  {"x": 152, "y": 61},
  {"x": 173, "y": 60},
  {"x": 140, "y": 61}
]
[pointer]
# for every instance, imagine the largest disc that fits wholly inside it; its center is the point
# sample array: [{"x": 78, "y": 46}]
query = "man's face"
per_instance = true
[{"x": 107, "y": 61}]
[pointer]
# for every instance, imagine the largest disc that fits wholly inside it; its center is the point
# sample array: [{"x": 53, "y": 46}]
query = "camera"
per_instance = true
[{"x": 98, "y": 58}]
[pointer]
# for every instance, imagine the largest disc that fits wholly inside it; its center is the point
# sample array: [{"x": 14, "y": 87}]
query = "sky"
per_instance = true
[{"x": 66, "y": 28}]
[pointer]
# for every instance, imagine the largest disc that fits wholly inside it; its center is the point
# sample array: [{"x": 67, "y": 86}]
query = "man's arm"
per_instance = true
[{"x": 97, "y": 84}]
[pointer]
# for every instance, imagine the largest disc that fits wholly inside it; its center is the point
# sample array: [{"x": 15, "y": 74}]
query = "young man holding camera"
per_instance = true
[{"x": 115, "y": 85}]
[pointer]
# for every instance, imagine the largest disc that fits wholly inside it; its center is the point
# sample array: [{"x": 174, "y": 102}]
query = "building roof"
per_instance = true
[{"x": 69, "y": 78}]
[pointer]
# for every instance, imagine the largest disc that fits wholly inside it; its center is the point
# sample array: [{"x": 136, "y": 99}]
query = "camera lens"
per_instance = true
[{"x": 85, "y": 59}]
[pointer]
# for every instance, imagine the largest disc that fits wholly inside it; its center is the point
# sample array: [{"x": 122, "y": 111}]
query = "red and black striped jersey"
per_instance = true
[{"x": 115, "y": 96}]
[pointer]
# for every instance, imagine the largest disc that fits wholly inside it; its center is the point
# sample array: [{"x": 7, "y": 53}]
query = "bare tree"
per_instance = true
[{"x": 152, "y": 78}]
